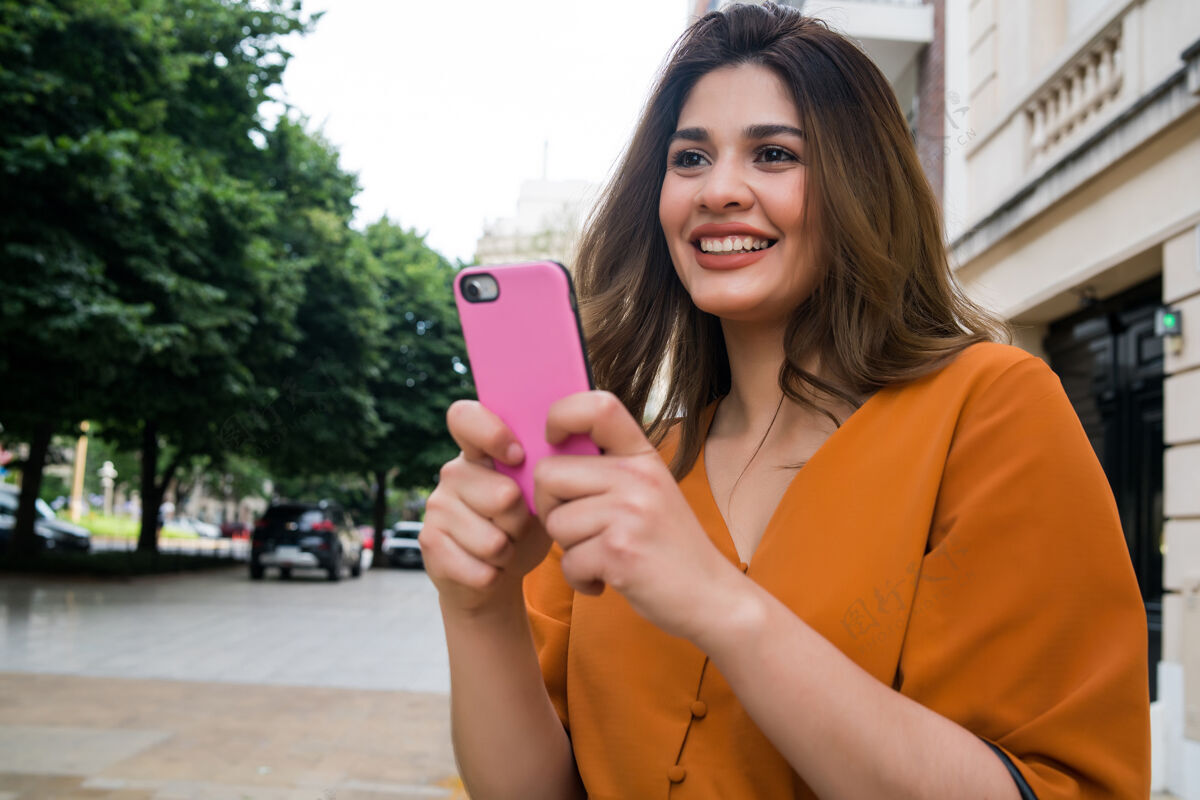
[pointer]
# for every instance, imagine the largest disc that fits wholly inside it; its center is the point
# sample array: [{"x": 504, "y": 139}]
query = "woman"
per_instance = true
[{"x": 862, "y": 552}]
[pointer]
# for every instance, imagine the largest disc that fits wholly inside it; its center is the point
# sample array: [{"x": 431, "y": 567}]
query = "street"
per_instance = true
[{"x": 211, "y": 685}]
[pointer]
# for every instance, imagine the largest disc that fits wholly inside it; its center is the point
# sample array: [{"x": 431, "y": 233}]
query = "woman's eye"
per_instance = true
[
  {"x": 775, "y": 155},
  {"x": 687, "y": 159}
]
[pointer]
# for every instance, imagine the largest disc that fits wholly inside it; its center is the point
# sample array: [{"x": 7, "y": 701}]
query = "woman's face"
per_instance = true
[{"x": 732, "y": 200}]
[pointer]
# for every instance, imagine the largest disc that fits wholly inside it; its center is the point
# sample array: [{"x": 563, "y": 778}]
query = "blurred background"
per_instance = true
[{"x": 229, "y": 230}]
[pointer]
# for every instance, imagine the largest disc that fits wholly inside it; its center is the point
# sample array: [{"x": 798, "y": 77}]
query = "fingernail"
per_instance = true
[{"x": 514, "y": 454}]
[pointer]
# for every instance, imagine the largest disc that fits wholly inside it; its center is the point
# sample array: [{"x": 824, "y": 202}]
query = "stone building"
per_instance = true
[
  {"x": 1077, "y": 187},
  {"x": 546, "y": 226}
]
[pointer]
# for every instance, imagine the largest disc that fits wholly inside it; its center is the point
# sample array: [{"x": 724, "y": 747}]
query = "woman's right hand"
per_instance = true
[{"x": 479, "y": 540}]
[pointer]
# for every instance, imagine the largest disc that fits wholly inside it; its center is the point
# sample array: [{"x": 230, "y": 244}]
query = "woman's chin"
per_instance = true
[{"x": 742, "y": 310}]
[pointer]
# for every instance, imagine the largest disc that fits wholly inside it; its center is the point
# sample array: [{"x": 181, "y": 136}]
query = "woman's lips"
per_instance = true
[{"x": 728, "y": 260}]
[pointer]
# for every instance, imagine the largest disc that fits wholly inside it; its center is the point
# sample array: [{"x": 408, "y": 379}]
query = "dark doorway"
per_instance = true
[{"x": 1111, "y": 365}]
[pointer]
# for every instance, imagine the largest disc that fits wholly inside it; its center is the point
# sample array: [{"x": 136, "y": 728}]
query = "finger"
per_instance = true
[
  {"x": 558, "y": 479},
  {"x": 445, "y": 559},
  {"x": 571, "y": 524},
  {"x": 583, "y": 567},
  {"x": 601, "y": 416},
  {"x": 479, "y": 537},
  {"x": 482, "y": 435},
  {"x": 492, "y": 495}
]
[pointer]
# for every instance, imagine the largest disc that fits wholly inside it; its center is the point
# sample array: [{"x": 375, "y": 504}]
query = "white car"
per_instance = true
[
  {"x": 197, "y": 527},
  {"x": 401, "y": 547}
]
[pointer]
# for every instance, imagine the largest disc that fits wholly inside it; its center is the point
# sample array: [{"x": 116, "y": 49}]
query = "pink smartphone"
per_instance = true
[{"x": 525, "y": 347}]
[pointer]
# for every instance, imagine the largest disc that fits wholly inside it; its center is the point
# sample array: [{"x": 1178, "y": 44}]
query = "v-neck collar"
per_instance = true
[{"x": 725, "y": 541}]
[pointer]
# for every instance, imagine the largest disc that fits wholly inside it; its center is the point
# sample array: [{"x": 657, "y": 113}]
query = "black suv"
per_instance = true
[{"x": 308, "y": 536}]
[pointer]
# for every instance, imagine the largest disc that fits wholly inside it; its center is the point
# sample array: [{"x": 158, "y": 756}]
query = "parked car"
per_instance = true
[
  {"x": 235, "y": 530},
  {"x": 52, "y": 533},
  {"x": 401, "y": 545},
  {"x": 367, "y": 532},
  {"x": 306, "y": 535},
  {"x": 196, "y": 527}
]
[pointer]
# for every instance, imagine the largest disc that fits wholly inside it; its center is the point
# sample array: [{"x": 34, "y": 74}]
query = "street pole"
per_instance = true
[
  {"x": 80, "y": 463},
  {"x": 108, "y": 475}
]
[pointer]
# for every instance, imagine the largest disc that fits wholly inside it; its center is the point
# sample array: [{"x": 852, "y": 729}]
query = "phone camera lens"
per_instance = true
[{"x": 479, "y": 288}]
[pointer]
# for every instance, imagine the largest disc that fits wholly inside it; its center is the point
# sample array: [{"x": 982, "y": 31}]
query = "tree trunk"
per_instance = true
[
  {"x": 380, "y": 514},
  {"x": 151, "y": 496},
  {"x": 152, "y": 489},
  {"x": 24, "y": 540}
]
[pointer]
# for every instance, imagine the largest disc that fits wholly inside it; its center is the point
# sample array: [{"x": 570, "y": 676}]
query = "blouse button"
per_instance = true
[
  {"x": 677, "y": 774},
  {"x": 699, "y": 709}
]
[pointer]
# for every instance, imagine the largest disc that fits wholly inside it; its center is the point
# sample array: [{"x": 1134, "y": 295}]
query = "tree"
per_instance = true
[
  {"x": 137, "y": 259},
  {"x": 424, "y": 365},
  {"x": 320, "y": 411}
]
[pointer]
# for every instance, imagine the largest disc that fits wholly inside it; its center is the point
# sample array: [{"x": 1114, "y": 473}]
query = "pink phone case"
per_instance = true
[{"x": 526, "y": 352}]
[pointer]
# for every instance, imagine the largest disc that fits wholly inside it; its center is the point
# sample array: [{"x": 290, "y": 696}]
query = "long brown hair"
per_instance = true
[{"x": 885, "y": 308}]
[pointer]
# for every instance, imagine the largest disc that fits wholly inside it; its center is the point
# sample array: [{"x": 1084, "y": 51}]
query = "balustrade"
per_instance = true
[{"x": 1078, "y": 95}]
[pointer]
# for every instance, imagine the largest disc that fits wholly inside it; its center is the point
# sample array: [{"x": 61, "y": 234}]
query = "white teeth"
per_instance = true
[{"x": 740, "y": 244}]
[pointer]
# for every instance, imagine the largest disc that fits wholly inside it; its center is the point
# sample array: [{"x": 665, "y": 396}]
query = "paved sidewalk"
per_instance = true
[
  {"x": 64, "y": 736},
  {"x": 214, "y": 686},
  {"x": 381, "y": 631}
]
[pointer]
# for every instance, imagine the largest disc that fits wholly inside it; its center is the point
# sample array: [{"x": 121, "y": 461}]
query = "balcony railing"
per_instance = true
[{"x": 1079, "y": 94}]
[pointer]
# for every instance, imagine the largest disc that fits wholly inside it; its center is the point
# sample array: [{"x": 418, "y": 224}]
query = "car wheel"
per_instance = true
[
  {"x": 285, "y": 573},
  {"x": 256, "y": 572},
  {"x": 335, "y": 567}
]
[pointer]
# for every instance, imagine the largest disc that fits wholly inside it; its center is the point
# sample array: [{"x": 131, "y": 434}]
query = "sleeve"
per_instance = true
[
  {"x": 548, "y": 599},
  {"x": 1027, "y": 625}
]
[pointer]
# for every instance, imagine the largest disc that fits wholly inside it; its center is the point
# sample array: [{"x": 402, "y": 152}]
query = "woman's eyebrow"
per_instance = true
[
  {"x": 755, "y": 132},
  {"x": 690, "y": 135},
  {"x": 769, "y": 130}
]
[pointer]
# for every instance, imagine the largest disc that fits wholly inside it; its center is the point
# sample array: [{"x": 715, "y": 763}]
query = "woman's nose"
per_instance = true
[{"x": 724, "y": 186}]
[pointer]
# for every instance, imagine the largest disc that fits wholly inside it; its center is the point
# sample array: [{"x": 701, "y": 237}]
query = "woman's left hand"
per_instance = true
[{"x": 622, "y": 521}]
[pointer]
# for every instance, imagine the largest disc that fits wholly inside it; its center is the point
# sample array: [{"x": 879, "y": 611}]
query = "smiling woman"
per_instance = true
[
  {"x": 862, "y": 550},
  {"x": 824, "y": 147}
]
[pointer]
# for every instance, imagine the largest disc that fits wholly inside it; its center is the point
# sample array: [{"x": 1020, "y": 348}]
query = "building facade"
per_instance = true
[
  {"x": 547, "y": 224},
  {"x": 1077, "y": 217}
]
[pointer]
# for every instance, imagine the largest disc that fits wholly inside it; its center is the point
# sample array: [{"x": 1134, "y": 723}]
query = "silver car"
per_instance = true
[{"x": 401, "y": 546}]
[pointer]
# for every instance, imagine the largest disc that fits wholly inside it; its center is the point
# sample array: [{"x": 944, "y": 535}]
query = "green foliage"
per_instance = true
[
  {"x": 318, "y": 409},
  {"x": 425, "y": 356},
  {"x": 115, "y": 527},
  {"x": 188, "y": 279},
  {"x": 351, "y": 492},
  {"x": 100, "y": 449},
  {"x": 53, "y": 487},
  {"x": 138, "y": 259}
]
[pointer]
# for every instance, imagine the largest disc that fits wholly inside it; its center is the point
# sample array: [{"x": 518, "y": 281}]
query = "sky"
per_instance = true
[{"x": 443, "y": 107}]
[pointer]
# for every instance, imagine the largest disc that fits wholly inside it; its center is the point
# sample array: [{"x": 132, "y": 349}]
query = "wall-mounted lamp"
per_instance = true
[{"x": 1168, "y": 323}]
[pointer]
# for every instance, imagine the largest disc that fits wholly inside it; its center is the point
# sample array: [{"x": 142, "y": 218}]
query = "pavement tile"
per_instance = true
[
  {"x": 59, "y": 750},
  {"x": 166, "y": 739}
]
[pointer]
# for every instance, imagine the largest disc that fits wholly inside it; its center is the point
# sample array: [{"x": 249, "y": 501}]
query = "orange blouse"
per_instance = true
[{"x": 955, "y": 537}]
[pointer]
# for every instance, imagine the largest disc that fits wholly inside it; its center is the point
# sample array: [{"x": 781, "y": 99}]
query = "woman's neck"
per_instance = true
[{"x": 755, "y": 400}]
